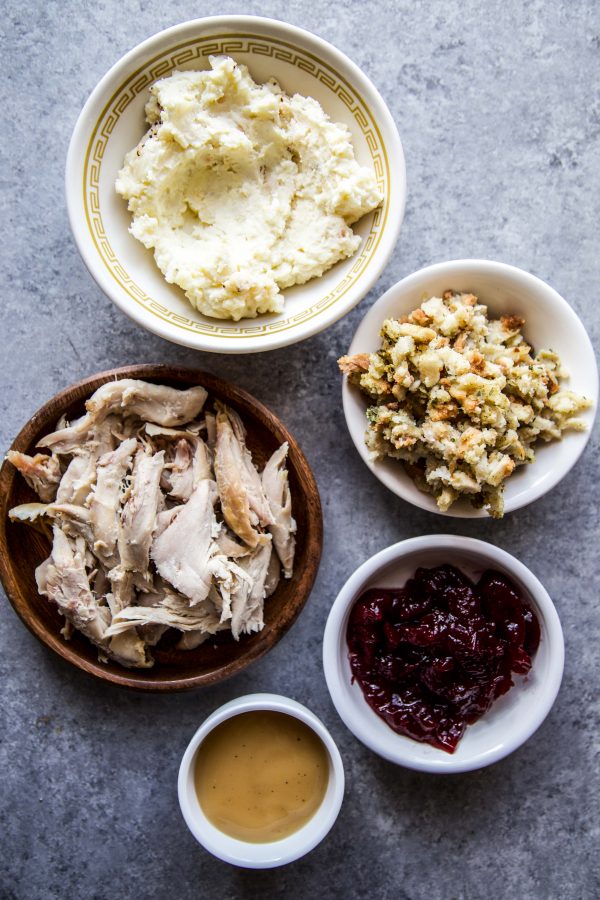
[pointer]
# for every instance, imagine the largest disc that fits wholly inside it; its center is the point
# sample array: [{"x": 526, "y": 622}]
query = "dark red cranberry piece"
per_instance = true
[
  {"x": 393, "y": 635},
  {"x": 521, "y": 661},
  {"x": 532, "y": 630},
  {"x": 417, "y": 718},
  {"x": 462, "y": 693},
  {"x": 476, "y": 665},
  {"x": 502, "y": 684},
  {"x": 370, "y": 608},
  {"x": 503, "y": 605},
  {"x": 462, "y": 602},
  {"x": 406, "y": 605},
  {"x": 449, "y": 734},
  {"x": 429, "y": 632},
  {"x": 441, "y": 578},
  {"x": 394, "y": 669}
]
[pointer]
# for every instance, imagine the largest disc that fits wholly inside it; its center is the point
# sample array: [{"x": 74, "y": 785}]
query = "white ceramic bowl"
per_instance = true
[
  {"x": 275, "y": 853},
  {"x": 112, "y": 122},
  {"x": 511, "y": 720},
  {"x": 550, "y": 323}
]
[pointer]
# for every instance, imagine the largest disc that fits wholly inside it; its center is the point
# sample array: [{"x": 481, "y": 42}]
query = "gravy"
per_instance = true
[{"x": 261, "y": 775}]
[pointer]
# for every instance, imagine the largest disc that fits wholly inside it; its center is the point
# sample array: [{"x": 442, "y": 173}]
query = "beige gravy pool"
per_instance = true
[{"x": 261, "y": 775}]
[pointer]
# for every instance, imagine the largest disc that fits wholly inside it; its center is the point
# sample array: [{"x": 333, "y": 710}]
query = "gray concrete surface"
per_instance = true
[{"x": 498, "y": 108}]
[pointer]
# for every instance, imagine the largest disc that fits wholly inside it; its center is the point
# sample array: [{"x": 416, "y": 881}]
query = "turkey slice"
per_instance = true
[
  {"x": 190, "y": 465},
  {"x": 41, "y": 472},
  {"x": 277, "y": 490},
  {"x": 173, "y": 611},
  {"x": 64, "y": 580},
  {"x": 182, "y": 552},
  {"x": 155, "y": 403},
  {"x": 248, "y": 599},
  {"x": 138, "y": 518},
  {"x": 106, "y": 499},
  {"x": 243, "y": 502}
]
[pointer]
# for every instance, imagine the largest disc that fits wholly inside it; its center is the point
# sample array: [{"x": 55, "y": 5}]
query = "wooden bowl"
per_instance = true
[{"x": 22, "y": 548}]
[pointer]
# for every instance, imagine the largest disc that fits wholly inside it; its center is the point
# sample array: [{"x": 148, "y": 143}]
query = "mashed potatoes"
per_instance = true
[
  {"x": 461, "y": 399},
  {"x": 241, "y": 190}
]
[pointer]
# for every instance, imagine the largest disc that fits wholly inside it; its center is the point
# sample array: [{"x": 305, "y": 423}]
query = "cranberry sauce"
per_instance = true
[{"x": 432, "y": 657}]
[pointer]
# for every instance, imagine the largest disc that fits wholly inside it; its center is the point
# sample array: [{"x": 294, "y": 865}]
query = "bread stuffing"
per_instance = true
[{"x": 461, "y": 399}]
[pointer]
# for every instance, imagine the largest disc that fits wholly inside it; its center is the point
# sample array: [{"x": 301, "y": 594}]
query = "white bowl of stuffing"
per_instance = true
[
  {"x": 235, "y": 184},
  {"x": 470, "y": 388}
]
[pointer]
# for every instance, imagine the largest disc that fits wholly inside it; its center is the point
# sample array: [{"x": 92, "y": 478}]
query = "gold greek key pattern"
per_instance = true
[{"x": 200, "y": 48}]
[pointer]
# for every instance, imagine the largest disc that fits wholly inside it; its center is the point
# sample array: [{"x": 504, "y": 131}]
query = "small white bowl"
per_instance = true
[
  {"x": 275, "y": 853},
  {"x": 549, "y": 323},
  {"x": 112, "y": 122},
  {"x": 511, "y": 720}
]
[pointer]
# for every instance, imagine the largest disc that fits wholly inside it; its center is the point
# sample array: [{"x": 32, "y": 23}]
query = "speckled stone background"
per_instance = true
[{"x": 499, "y": 111}]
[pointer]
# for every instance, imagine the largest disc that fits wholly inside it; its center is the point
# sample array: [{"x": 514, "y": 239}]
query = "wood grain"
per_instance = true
[{"x": 22, "y": 548}]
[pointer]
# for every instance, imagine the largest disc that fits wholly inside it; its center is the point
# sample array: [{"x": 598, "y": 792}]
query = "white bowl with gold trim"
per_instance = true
[{"x": 112, "y": 122}]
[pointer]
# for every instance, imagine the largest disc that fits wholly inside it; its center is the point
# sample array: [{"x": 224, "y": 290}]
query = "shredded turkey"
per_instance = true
[
  {"x": 142, "y": 400},
  {"x": 248, "y": 598},
  {"x": 105, "y": 503},
  {"x": 41, "y": 472},
  {"x": 138, "y": 517},
  {"x": 277, "y": 492},
  {"x": 182, "y": 553},
  {"x": 245, "y": 507},
  {"x": 159, "y": 519}
]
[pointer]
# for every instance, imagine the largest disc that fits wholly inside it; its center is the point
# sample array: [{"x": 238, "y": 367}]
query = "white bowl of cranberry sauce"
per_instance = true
[{"x": 447, "y": 639}]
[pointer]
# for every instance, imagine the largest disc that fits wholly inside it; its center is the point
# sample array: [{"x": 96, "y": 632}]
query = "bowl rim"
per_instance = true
[
  {"x": 74, "y": 175},
  {"x": 131, "y": 678},
  {"x": 337, "y": 673},
  {"x": 404, "y": 487},
  {"x": 274, "y": 853}
]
